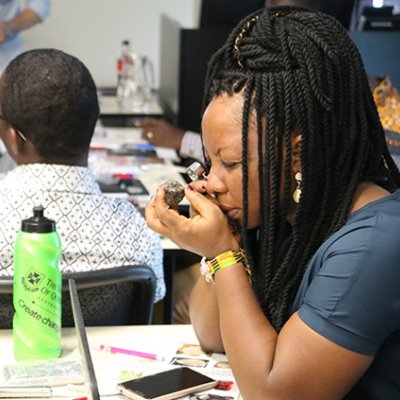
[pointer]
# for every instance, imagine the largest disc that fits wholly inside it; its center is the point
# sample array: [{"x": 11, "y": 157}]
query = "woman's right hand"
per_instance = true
[
  {"x": 200, "y": 186},
  {"x": 206, "y": 232}
]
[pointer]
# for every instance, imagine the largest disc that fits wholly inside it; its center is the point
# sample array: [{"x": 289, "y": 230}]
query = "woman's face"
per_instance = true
[{"x": 222, "y": 139}]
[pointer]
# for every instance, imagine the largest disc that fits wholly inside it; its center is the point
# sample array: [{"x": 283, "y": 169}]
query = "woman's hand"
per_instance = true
[{"x": 206, "y": 232}]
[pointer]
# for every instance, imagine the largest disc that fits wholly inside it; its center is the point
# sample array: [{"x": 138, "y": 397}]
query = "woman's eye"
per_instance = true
[{"x": 231, "y": 164}]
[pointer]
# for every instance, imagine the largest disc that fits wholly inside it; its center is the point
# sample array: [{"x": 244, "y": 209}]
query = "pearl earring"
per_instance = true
[{"x": 297, "y": 192}]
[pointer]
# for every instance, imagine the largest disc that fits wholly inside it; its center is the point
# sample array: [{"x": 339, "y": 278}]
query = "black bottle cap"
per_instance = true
[{"x": 38, "y": 223}]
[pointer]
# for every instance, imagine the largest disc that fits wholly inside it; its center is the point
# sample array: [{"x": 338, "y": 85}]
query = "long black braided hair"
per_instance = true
[{"x": 298, "y": 70}]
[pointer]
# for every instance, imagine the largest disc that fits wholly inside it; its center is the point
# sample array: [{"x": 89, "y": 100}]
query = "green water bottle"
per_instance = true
[{"x": 37, "y": 289}]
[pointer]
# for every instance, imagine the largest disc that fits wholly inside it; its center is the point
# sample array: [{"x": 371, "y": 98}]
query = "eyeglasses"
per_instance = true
[{"x": 20, "y": 134}]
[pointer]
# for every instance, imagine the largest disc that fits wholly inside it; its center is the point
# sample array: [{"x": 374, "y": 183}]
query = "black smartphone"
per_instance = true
[{"x": 166, "y": 385}]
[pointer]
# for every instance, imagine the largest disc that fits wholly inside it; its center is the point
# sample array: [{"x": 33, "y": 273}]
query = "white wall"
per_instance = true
[{"x": 92, "y": 30}]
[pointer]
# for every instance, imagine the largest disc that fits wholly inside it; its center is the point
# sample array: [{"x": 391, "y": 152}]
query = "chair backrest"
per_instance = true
[
  {"x": 6, "y": 303},
  {"x": 115, "y": 296}
]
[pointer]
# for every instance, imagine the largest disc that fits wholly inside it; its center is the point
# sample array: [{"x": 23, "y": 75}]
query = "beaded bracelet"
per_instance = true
[{"x": 209, "y": 267}]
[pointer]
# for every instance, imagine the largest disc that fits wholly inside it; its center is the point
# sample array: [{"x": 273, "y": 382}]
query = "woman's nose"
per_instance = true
[{"x": 215, "y": 184}]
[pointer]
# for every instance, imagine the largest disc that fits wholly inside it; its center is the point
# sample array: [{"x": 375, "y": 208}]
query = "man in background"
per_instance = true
[
  {"x": 188, "y": 143},
  {"x": 48, "y": 111},
  {"x": 13, "y": 20}
]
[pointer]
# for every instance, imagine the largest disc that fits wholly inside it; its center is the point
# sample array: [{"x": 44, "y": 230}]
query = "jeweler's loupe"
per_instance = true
[{"x": 196, "y": 171}]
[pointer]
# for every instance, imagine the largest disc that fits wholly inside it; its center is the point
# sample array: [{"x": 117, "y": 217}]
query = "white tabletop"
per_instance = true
[
  {"x": 176, "y": 343},
  {"x": 151, "y": 174},
  {"x": 109, "y": 106}
]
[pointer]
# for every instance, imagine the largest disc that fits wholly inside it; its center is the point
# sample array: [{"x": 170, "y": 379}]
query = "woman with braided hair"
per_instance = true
[{"x": 299, "y": 217}]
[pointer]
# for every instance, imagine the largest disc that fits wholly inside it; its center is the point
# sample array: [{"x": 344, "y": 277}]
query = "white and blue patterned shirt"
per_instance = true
[{"x": 96, "y": 231}]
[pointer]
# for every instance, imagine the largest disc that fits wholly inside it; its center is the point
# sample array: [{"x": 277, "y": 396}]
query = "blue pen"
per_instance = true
[{"x": 145, "y": 147}]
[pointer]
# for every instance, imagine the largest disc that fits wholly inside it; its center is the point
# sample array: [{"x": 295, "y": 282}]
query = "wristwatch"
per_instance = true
[{"x": 10, "y": 30}]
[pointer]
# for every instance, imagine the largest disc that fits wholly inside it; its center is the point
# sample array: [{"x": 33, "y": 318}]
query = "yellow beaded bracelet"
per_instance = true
[{"x": 226, "y": 259}]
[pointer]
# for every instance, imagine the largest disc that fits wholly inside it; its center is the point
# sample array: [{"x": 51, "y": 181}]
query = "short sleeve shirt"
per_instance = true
[
  {"x": 97, "y": 231},
  {"x": 350, "y": 294}
]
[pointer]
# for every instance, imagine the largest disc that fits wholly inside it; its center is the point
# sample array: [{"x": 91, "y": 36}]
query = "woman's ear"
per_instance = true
[{"x": 296, "y": 147}]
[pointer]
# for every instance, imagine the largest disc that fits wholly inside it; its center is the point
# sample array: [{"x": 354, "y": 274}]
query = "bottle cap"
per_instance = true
[{"x": 38, "y": 223}]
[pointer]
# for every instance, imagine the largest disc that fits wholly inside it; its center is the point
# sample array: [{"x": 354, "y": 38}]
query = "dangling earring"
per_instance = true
[{"x": 297, "y": 192}]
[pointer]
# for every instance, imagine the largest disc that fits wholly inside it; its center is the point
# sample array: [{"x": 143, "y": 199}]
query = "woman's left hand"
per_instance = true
[{"x": 207, "y": 233}]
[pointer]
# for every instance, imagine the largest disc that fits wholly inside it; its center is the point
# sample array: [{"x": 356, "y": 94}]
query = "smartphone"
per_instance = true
[{"x": 166, "y": 385}]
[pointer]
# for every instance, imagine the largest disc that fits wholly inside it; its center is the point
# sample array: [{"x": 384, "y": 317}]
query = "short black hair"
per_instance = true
[{"x": 51, "y": 97}]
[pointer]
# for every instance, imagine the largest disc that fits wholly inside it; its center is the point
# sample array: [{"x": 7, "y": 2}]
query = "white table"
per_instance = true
[
  {"x": 163, "y": 340},
  {"x": 109, "y": 106},
  {"x": 151, "y": 174}
]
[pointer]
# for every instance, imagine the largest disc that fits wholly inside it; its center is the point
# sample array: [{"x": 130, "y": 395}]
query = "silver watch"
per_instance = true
[{"x": 10, "y": 30}]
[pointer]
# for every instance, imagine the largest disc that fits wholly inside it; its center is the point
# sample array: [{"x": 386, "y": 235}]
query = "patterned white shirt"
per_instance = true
[
  {"x": 96, "y": 231},
  {"x": 191, "y": 146}
]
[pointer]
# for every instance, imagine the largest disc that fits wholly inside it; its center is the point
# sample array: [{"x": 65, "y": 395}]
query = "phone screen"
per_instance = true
[{"x": 177, "y": 380}]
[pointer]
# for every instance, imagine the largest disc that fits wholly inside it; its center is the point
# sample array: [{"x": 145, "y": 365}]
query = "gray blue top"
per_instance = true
[{"x": 350, "y": 294}]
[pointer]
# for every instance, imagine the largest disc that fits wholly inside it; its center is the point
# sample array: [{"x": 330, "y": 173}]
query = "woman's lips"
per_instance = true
[{"x": 231, "y": 213}]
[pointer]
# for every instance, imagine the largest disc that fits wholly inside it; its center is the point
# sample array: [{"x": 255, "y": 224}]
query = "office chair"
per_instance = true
[
  {"x": 114, "y": 296},
  {"x": 6, "y": 303}
]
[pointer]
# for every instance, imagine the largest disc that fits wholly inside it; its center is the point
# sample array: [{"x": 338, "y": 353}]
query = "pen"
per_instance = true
[
  {"x": 19, "y": 392},
  {"x": 12, "y": 392},
  {"x": 122, "y": 176},
  {"x": 145, "y": 147},
  {"x": 113, "y": 349}
]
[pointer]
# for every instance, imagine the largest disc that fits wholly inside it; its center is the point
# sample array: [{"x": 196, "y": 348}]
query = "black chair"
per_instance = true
[
  {"x": 115, "y": 296},
  {"x": 6, "y": 303}
]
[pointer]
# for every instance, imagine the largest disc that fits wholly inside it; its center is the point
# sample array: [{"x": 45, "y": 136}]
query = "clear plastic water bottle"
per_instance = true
[
  {"x": 125, "y": 76},
  {"x": 135, "y": 78},
  {"x": 37, "y": 289},
  {"x": 124, "y": 59}
]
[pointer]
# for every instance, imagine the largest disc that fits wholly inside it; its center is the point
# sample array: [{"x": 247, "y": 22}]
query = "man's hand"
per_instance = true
[{"x": 161, "y": 133}]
